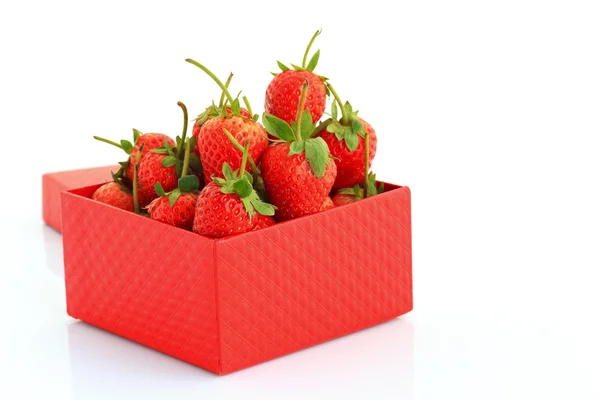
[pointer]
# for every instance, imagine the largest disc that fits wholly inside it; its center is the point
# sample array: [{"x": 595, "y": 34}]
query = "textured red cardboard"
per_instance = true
[
  {"x": 227, "y": 304},
  {"x": 53, "y": 184}
]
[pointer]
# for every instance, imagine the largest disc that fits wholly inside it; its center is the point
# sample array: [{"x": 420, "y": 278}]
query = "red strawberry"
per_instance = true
[
  {"x": 178, "y": 206},
  {"x": 345, "y": 139},
  {"x": 298, "y": 174},
  {"x": 202, "y": 118},
  {"x": 214, "y": 147},
  {"x": 149, "y": 141},
  {"x": 281, "y": 99},
  {"x": 114, "y": 194},
  {"x": 230, "y": 206},
  {"x": 180, "y": 214},
  {"x": 369, "y": 185},
  {"x": 327, "y": 204},
  {"x": 152, "y": 171}
]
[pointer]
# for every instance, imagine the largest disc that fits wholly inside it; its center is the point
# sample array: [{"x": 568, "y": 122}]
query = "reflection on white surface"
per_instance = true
[
  {"x": 105, "y": 365},
  {"x": 53, "y": 251}
]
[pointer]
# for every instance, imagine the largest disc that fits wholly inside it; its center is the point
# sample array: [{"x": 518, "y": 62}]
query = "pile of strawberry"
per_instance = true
[{"x": 235, "y": 175}]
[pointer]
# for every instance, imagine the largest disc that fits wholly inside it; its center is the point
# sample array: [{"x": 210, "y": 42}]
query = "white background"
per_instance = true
[{"x": 488, "y": 110}]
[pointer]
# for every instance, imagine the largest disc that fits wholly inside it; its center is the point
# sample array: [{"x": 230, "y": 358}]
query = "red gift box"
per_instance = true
[
  {"x": 53, "y": 184},
  {"x": 227, "y": 304}
]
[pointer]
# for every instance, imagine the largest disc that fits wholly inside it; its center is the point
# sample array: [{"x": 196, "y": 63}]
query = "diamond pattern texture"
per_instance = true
[
  {"x": 227, "y": 304},
  {"x": 53, "y": 184}
]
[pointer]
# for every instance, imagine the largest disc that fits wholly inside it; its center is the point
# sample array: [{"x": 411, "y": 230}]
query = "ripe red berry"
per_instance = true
[
  {"x": 114, "y": 194},
  {"x": 181, "y": 214}
]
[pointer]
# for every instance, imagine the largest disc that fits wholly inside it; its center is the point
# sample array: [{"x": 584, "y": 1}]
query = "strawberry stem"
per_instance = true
[
  {"x": 186, "y": 159},
  {"x": 181, "y": 148},
  {"x": 339, "y": 101},
  {"x": 242, "y": 170},
  {"x": 323, "y": 125},
  {"x": 317, "y": 33},
  {"x": 136, "y": 166},
  {"x": 300, "y": 110},
  {"x": 214, "y": 78},
  {"x": 227, "y": 86},
  {"x": 239, "y": 147},
  {"x": 247, "y": 103},
  {"x": 366, "y": 181},
  {"x": 108, "y": 141}
]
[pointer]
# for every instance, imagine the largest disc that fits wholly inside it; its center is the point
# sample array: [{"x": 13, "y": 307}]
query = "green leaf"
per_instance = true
[
  {"x": 248, "y": 206},
  {"x": 317, "y": 154},
  {"x": 160, "y": 150},
  {"x": 188, "y": 183},
  {"x": 127, "y": 146},
  {"x": 296, "y": 148},
  {"x": 334, "y": 110},
  {"x": 307, "y": 128},
  {"x": 278, "y": 127},
  {"x": 136, "y": 135},
  {"x": 263, "y": 208},
  {"x": 220, "y": 181},
  {"x": 168, "y": 161},
  {"x": 348, "y": 108},
  {"x": 346, "y": 191},
  {"x": 274, "y": 73},
  {"x": 124, "y": 164},
  {"x": 173, "y": 196},
  {"x": 255, "y": 117},
  {"x": 235, "y": 107},
  {"x": 357, "y": 127},
  {"x": 227, "y": 172},
  {"x": 313, "y": 61},
  {"x": 178, "y": 167},
  {"x": 192, "y": 141},
  {"x": 282, "y": 66},
  {"x": 336, "y": 127},
  {"x": 297, "y": 68},
  {"x": 159, "y": 189},
  {"x": 243, "y": 188},
  {"x": 195, "y": 163},
  {"x": 327, "y": 90},
  {"x": 351, "y": 140}
]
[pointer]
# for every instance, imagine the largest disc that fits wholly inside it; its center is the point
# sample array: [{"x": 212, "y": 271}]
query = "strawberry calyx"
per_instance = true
[
  {"x": 300, "y": 135},
  {"x": 186, "y": 183},
  {"x": 228, "y": 106},
  {"x": 240, "y": 183},
  {"x": 312, "y": 64},
  {"x": 349, "y": 127},
  {"x": 127, "y": 147}
]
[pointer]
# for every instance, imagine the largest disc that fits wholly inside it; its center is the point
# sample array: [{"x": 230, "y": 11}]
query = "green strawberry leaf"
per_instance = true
[
  {"x": 327, "y": 90},
  {"x": 248, "y": 206},
  {"x": 297, "y": 68},
  {"x": 220, "y": 181},
  {"x": 235, "y": 107},
  {"x": 278, "y": 127},
  {"x": 168, "y": 161},
  {"x": 159, "y": 189},
  {"x": 188, "y": 183},
  {"x": 227, "y": 172},
  {"x": 317, "y": 154},
  {"x": 351, "y": 140},
  {"x": 348, "y": 108},
  {"x": 173, "y": 196},
  {"x": 313, "y": 61},
  {"x": 334, "y": 110},
  {"x": 195, "y": 163},
  {"x": 282, "y": 66},
  {"x": 346, "y": 191},
  {"x": 136, "y": 135},
  {"x": 127, "y": 146},
  {"x": 263, "y": 208},
  {"x": 255, "y": 117},
  {"x": 306, "y": 128},
  {"x": 296, "y": 148},
  {"x": 243, "y": 188},
  {"x": 357, "y": 127}
]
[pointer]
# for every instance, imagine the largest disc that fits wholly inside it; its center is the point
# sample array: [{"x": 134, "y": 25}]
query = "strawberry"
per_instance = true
[
  {"x": 149, "y": 141},
  {"x": 281, "y": 98},
  {"x": 178, "y": 206},
  {"x": 369, "y": 185},
  {"x": 114, "y": 194},
  {"x": 345, "y": 139},
  {"x": 214, "y": 147},
  {"x": 327, "y": 204},
  {"x": 228, "y": 206},
  {"x": 298, "y": 171}
]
